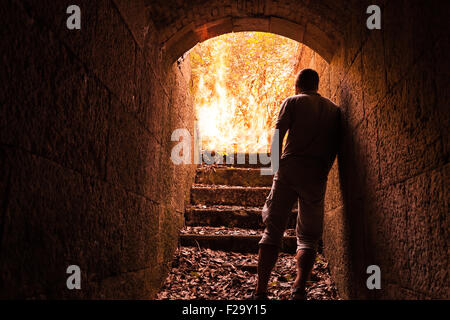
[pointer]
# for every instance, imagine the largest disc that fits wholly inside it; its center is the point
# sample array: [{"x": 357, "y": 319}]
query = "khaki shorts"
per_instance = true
[{"x": 302, "y": 180}]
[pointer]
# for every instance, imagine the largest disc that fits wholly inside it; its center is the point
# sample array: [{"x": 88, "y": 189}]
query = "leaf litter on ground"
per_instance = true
[{"x": 217, "y": 275}]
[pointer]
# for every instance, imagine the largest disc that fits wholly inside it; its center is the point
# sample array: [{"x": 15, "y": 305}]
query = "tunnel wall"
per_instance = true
[
  {"x": 387, "y": 195},
  {"x": 86, "y": 176},
  {"x": 393, "y": 161}
]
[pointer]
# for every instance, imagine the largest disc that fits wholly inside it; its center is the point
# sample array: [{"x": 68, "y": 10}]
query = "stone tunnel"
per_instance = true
[{"x": 87, "y": 116}]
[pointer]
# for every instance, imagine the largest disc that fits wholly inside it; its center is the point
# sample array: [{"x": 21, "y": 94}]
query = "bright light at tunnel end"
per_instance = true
[{"x": 238, "y": 85}]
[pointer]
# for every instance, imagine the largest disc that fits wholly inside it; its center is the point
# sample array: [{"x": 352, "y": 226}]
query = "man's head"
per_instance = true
[{"x": 307, "y": 80}]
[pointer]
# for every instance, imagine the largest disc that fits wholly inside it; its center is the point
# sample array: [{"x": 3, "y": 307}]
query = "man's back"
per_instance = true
[
  {"x": 311, "y": 147},
  {"x": 313, "y": 124}
]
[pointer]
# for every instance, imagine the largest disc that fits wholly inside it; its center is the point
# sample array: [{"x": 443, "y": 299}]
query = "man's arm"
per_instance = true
[
  {"x": 277, "y": 142},
  {"x": 281, "y": 127}
]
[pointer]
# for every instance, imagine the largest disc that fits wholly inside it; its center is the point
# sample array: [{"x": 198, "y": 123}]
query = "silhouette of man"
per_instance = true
[{"x": 312, "y": 123}]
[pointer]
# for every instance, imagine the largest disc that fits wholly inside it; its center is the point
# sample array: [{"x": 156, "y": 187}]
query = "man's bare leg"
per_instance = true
[
  {"x": 305, "y": 263},
  {"x": 267, "y": 257}
]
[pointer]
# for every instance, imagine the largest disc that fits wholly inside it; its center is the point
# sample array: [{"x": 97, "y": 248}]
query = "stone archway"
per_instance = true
[
  {"x": 85, "y": 139},
  {"x": 181, "y": 25},
  {"x": 310, "y": 35}
]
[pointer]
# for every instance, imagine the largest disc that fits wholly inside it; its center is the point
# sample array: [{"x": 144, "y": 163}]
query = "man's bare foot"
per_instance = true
[
  {"x": 257, "y": 296},
  {"x": 298, "y": 294}
]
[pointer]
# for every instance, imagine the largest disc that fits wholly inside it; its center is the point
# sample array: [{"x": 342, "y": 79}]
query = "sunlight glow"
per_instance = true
[{"x": 239, "y": 82}]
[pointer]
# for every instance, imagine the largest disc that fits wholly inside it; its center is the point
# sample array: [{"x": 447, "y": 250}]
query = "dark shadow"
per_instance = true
[{"x": 352, "y": 174}]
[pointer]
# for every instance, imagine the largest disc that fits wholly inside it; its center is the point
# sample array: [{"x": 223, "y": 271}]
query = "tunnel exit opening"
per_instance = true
[{"x": 239, "y": 81}]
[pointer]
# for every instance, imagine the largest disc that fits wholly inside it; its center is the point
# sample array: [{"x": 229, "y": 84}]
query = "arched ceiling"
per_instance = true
[{"x": 181, "y": 24}]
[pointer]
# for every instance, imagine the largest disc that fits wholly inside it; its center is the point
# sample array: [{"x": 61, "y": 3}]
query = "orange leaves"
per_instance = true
[{"x": 239, "y": 82}]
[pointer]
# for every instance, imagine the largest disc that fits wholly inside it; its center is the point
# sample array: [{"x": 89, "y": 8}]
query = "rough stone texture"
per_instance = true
[
  {"x": 393, "y": 160},
  {"x": 183, "y": 24},
  {"x": 231, "y": 216},
  {"x": 241, "y": 244},
  {"x": 233, "y": 176},
  {"x": 229, "y": 195},
  {"x": 84, "y": 148},
  {"x": 86, "y": 176}
]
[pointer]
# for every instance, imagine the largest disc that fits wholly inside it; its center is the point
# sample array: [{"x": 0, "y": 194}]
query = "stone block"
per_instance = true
[
  {"x": 77, "y": 123},
  {"x": 427, "y": 220},
  {"x": 336, "y": 249},
  {"x": 320, "y": 41},
  {"x": 287, "y": 28},
  {"x": 350, "y": 94},
  {"x": 183, "y": 40},
  {"x": 398, "y": 49},
  {"x": 242, "y": 244},
  {"x": 337, "y": 72},
  {"x": 133, "y": 155},
  {"x": 441, "y": 80},
  {"x": 225, "y": 195},
  {"x": 136, "y": 18},
  {"x": 333, "y": 195},
  {"x": 409, "y": 131},
  {"x": 386, "y": 220},
  {"x": 254, "y": 24},
  {"x": 233, "y": 177},
  {"x": 113, "y": 56},
  {"x": 374, "y": 73}
]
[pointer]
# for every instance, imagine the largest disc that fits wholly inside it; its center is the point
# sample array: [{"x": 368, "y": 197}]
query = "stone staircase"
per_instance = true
[
  {"x": 217, "y": 256},
  {"x": 225, "y": 210}
]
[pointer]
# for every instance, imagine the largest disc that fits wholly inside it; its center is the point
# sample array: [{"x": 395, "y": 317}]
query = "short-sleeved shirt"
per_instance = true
[{"x": 313, "y": 124}]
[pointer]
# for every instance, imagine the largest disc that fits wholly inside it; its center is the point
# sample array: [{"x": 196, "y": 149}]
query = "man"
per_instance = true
[{"x": 310, "y": 150}]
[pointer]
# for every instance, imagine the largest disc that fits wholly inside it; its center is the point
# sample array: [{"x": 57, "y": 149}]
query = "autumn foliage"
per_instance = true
[{"x": 239, "y": 82}]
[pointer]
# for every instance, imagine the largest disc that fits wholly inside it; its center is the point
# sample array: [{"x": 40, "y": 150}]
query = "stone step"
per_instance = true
[
  {"x": 246, "y": 177},
  {"x": 228, "y": 216},
  {"x": 228, "y": 195},
  {"x": 243, "y": 243},
  {"x": 238, "y": 160}
]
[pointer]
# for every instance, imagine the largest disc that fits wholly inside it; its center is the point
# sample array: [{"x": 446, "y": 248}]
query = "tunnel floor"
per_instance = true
[
  {"x": 217, "y": 254},
  {"x": 218, "y": 275}
]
